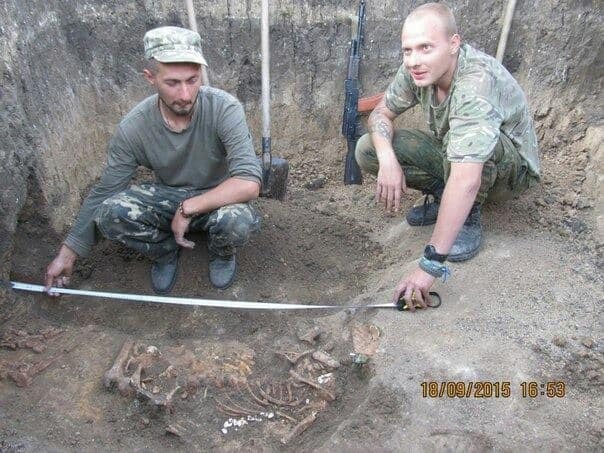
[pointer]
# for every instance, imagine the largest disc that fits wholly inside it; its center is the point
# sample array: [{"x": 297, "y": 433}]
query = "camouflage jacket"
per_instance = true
[{"x": 484, "y": 101}]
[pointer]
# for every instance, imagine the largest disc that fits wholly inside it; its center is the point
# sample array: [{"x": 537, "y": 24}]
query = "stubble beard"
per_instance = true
[{"x": 179, "y": 111}]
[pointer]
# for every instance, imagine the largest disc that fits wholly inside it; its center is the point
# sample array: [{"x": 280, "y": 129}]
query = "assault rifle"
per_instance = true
[{"x": 352, "y": 172}]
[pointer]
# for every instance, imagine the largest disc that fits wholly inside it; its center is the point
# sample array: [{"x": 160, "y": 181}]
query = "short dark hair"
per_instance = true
[
  {"x": 442, "y": 11},
  {"x": 151, "y": 65}
]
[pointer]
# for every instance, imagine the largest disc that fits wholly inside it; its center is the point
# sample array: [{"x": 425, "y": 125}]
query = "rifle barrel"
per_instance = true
[
  {"x": 361, "y": 27},
  {"x": 352, "y": 172}
]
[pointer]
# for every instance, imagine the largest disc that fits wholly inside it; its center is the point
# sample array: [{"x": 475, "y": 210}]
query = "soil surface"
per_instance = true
[{"x": 509, "y": 315}]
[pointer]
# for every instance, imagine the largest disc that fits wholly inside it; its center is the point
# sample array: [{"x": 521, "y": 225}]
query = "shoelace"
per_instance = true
[{"x": 425, "y": 206}]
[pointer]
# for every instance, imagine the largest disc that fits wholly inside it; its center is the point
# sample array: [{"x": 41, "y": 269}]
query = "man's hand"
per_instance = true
[
  {"x": 391, "y": 180},
  {"x": 415, "y": 290},
  {"x": 58, "y": 272},
  {"x": 390, "y": 185},
  {"x": 180, "y": 225}
]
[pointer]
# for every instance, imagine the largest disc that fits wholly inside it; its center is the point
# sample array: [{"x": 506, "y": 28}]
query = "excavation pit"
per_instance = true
[{"x": 527, "y": 309}]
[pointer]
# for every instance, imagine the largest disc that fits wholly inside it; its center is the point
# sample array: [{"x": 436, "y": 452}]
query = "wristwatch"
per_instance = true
[
  {"x": 181, "y": 211},
  {"x": 431, "y": 254}
]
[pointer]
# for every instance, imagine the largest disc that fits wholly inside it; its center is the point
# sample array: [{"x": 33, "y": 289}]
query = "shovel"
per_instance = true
[
  {"x": 205, "y": 80},
  {"x": 274, "y": 169}
]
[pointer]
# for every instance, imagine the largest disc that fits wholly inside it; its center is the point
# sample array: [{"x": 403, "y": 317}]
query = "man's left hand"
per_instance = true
[
  {"x": 415, "y": 289},
  {"x": 180, "y": 225}
]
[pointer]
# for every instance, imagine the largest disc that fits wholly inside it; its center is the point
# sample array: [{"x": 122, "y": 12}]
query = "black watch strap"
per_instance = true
[{"x": 431, "y": 254}]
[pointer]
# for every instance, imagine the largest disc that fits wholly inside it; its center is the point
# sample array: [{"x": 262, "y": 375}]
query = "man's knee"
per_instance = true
[
  {"x": 365, "y": 155},
  {"x": 114, "y": 217},
  {"x": 107, "y": 220},
  {"x": 235, "y": 221}
]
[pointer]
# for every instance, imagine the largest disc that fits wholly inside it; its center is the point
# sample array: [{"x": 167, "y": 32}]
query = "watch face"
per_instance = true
[{"x": 429, "y": 252}]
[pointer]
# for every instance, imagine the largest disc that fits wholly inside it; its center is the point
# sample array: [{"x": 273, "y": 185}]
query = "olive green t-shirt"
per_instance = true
[
  {"x": 215, "y": 146},
  {"x": 484, "y": 101}
]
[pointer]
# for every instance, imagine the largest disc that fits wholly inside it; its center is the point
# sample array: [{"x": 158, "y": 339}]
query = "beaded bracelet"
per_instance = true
[
  {"x": 181, "y": 211},
  {"x": 434, "y": 268}
]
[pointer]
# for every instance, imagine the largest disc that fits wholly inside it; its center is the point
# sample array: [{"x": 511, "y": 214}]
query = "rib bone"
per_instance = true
[{"x": 326, "y": 393}]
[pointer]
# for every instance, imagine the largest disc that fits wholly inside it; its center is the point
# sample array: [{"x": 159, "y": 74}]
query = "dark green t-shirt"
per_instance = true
[{"x": 215, "y": 146}]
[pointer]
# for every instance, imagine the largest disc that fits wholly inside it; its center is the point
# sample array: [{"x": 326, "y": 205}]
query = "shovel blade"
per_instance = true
[{"x": 276, "y": 185}]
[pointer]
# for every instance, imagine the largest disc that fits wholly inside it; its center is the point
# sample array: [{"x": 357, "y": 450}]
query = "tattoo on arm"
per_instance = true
[{"x": 382, "y": 127}]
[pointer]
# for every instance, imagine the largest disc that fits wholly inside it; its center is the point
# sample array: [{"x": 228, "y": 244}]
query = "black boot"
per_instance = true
[
  {"x": 427, "y": 213},
  {"x": 222, "y": 270},
  {"x": 468, "y": 240},
  {"x": 163, "y": 274}
]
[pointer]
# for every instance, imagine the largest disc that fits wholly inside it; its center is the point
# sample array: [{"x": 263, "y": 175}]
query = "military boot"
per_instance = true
[
  {"x": 163, "y": 274},
  {"x": 427, "y": 213},
  {"x": 468, "y": 240},
  {"x": 222, "y": 270}
]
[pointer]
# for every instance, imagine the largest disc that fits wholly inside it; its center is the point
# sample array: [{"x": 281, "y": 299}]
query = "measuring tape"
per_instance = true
[{"x": 207, "y": 302}]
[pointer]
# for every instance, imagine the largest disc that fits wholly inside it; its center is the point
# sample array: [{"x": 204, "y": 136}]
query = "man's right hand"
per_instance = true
[
  {"x": 58, "y": 272},
  {"x": 391, "y": 179},
  {"x": 390, "y": 184}
]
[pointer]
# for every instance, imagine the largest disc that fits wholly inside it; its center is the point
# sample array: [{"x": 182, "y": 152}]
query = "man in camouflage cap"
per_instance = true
[
  {"x": 197, "y": 142},
  {"x": 481, "y": 145}
]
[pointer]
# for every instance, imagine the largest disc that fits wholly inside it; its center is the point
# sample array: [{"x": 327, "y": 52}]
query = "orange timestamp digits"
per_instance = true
[
  {"x": 551, "y": 389},
  {"x": 470, "y": 389}
]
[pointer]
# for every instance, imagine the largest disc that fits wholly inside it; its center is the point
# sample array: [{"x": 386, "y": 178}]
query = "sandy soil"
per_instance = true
[{"x": 527, "y": 309}]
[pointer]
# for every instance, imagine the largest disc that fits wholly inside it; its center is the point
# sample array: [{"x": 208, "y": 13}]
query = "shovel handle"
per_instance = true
[
  {"x": 266, "y": 96},
  {"x": 205, "y": 80},
  {"x": 265, "y": 73}
]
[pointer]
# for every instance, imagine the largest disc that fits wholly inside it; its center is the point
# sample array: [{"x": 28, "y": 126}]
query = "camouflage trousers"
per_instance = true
[
  {"x": 141, "y": 216},
  {"x": 426, "y": 167}
]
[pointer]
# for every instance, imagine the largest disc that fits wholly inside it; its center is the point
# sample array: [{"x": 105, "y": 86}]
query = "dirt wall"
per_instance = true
[{"x": 70, "y": 70}]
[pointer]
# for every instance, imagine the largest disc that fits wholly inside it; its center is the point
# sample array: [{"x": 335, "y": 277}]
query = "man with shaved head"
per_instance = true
[{"x": 481, "y": 145}]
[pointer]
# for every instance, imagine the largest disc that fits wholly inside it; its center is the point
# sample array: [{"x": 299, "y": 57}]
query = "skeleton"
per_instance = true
[
  {"x": 164, "y": 401},
  {"x": 325, "y": 359},
  {"x": 283, "y": 398},
  {"x": 115, "y": 375},
  {"x": 148, "y": 374},
  {"x": 306, "y": 389},
  {"x": 310, "y": 336},
  {"x": 365, "y": 340},
  {"x": 18, "y": 339},
  {"x": 141, "y": 363},
  {"x": 329, "y": 396},
  {"x": 23, "y": 374},
  {"x": 261, "y": 403},
  {"x": 294, "y": 357},
  {"x": 219, "y": 375},
  {"x": 135, "y": 384},
  {"x": 299, "y": 428},
  {"x": 175, "y": 430}
]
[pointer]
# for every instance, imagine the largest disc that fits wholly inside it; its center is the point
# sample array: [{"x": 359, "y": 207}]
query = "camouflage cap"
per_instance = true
[{"x": 173, "y": 45}]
